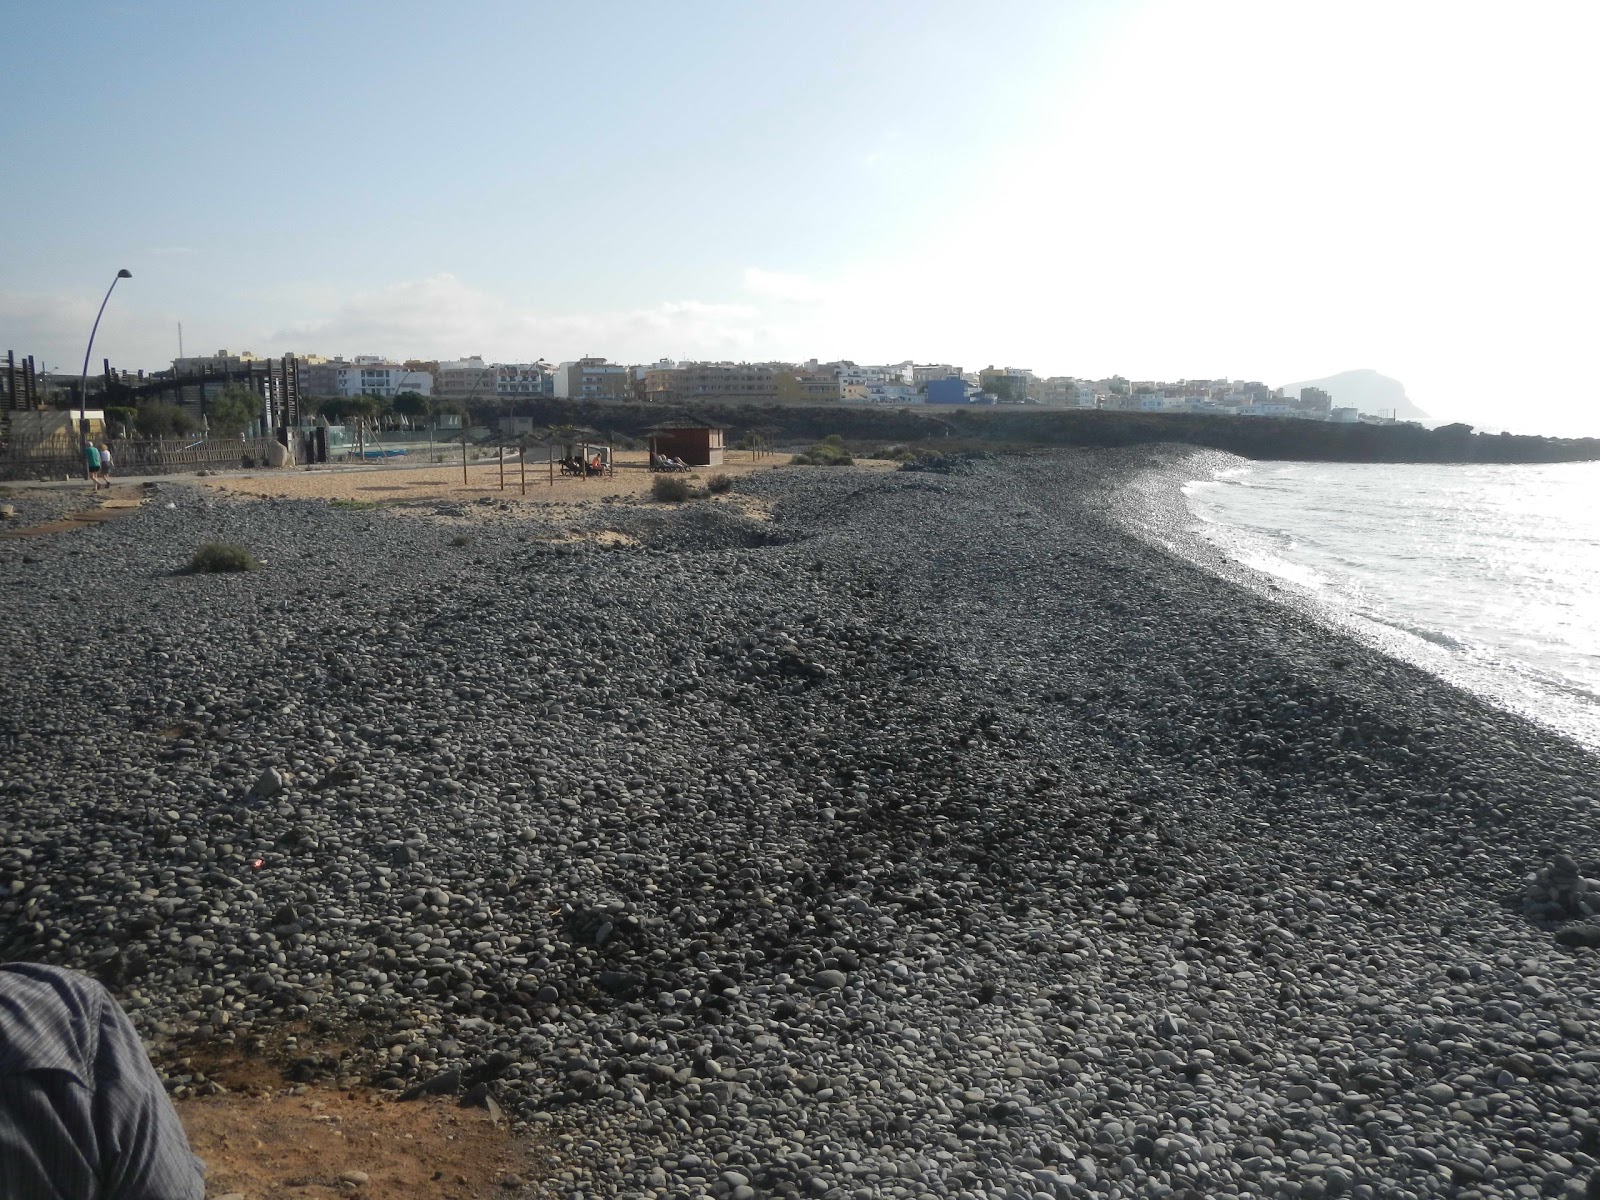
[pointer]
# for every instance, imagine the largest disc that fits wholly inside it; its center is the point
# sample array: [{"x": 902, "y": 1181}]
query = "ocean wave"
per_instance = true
[
  {"x": 1433, "y": 636},
  {"x": 1486, "y": 578}
]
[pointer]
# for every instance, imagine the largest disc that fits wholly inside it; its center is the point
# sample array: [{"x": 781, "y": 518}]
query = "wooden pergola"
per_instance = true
[{"x": 579, "y": 444}]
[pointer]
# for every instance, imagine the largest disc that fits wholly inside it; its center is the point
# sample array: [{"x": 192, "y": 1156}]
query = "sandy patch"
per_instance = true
[
  {"x": 398, "y": 484},
  {"x": 436, "y": 494},
  {"x": 264, "y": 1137}
]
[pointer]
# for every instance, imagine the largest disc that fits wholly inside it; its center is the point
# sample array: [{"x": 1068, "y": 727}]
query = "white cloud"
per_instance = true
[
  {"x": 442, "y": 317},
  {"x": 54, "y": 328}
]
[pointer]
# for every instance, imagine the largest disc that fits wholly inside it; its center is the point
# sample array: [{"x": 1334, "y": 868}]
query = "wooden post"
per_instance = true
[
  {"x": 502, "y": 468},
  {"x": 522, "y": 461},
  {"x": 463, "y": 457},
  {"x": 550, "y": 458}
]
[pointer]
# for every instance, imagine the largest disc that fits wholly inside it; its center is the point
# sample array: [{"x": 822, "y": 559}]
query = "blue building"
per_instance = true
[{"x": 947, "y": 391}]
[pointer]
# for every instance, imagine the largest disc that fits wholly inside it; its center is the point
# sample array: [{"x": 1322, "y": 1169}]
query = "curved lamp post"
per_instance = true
[{"x": 83, "y": 384}]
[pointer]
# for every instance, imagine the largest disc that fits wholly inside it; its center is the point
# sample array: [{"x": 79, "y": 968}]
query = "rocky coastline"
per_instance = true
[{"x": 942, "y": 835}]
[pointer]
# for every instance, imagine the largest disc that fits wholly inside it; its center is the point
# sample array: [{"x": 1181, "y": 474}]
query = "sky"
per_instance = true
[{"x": 1161, "y": 189}]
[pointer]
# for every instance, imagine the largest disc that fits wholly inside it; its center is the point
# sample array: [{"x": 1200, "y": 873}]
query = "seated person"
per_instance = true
[
  {"x": 596, "y": 466},
  {"x": 82, "y": 1112}
]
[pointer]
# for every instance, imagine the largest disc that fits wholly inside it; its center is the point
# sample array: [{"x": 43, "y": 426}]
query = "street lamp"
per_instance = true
[{"x": 83, "y": 384}]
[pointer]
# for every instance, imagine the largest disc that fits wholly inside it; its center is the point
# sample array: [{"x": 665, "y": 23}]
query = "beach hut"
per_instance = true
[{"x": 698, "y": 443}]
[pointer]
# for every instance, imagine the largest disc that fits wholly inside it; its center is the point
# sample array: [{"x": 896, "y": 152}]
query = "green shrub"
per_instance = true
[
  {"x": 217, "y": 557},
  {"x": 899, "y": 454},
  {"x": 718, "y": 484},
  {"x": 671, "y": 489},
  {"x": 461, "y": 539}
]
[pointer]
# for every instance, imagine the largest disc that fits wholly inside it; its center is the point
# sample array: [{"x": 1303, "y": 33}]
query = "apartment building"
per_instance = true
[
  {"x": 805, "y": 384},
  {"x": 639, "y": 377},
  {"x": 464, "y": 379},
  {"x": 745, "y": 382},
  {"x": 1315, "y": 400},
  {"x": 592, "y": 379},
  {"x": 214, "y": 364},
  {"x": 922, "y": 373},
  {"x": 856, "y": 382},
  {"x": 1060, "y": 391},
  {"x": 524, "y": 379},
  {"x": 1009, "y": 383},
  {"x": 364, "y": 375}
]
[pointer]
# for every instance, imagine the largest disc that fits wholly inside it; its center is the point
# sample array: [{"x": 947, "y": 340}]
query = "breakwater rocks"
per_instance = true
[{"x": 937, "y": 839}]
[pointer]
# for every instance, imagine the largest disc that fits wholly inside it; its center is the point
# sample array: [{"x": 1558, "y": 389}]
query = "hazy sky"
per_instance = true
[{"x": 1262, "y": 189}]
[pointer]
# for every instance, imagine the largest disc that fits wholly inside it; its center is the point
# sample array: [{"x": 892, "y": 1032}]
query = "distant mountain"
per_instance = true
[{"x": 1368, "y": 391}]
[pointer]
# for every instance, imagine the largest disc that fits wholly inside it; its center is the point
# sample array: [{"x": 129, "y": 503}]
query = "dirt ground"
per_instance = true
[
  {"x": 390, "y": 484},
  {"x": 263, "y": 1137}
]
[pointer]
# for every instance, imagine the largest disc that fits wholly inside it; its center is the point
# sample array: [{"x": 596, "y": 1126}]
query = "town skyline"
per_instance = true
[{"x": 1147, "y": 188}]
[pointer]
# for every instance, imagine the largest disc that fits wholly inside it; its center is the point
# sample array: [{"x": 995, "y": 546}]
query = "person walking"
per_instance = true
[
  {"x": 105, "y": 463},
  {"x": 82, "y": 1112},
  {"x": 91, "y": 455}
]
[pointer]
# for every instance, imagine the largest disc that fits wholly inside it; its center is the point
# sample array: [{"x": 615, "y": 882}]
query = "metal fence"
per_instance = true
[{"x": 134, "y": 456}]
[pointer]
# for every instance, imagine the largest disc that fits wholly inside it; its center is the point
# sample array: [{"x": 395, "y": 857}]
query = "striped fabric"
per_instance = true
[{"x": 83, "y": 1115}]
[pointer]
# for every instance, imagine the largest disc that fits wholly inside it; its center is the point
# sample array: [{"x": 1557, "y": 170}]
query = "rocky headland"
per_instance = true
[{"x": 939, "y": 836}]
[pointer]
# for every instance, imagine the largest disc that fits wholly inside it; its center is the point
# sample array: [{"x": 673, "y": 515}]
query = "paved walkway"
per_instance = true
[{"x": 119, "y": 501}]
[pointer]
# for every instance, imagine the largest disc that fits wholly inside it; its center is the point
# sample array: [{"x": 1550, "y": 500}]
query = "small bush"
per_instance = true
[
  {"x": 900, "y": 454},
  {"x": 217, "y": 557},
  {"x": 718, "y": 484},
  {"x": 461, "y": 539},
  {"x": 827, "y": 453},
  {"x": 671, "y": 489},
  {"x": 343, "y": 502}
]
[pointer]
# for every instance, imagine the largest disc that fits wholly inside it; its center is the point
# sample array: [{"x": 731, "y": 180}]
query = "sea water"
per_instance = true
[{"x": 1488, "y": 576}]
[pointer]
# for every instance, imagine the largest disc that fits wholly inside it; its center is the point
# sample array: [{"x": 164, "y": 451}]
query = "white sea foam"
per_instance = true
[{"x": 1486, "y": 575}]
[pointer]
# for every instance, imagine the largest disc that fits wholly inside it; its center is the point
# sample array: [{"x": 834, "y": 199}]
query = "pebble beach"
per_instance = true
[{"x": 858, "y": 834}]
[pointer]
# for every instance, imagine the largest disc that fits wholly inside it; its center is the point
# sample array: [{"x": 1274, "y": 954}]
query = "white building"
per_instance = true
[
  {"x": 375, "y": 377},
  {"x": 365, "y": 375},
  {"x": 854, "y": 380},
  {"x": 885, "y": 393},
  {"x": 524, "y": 379}
]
